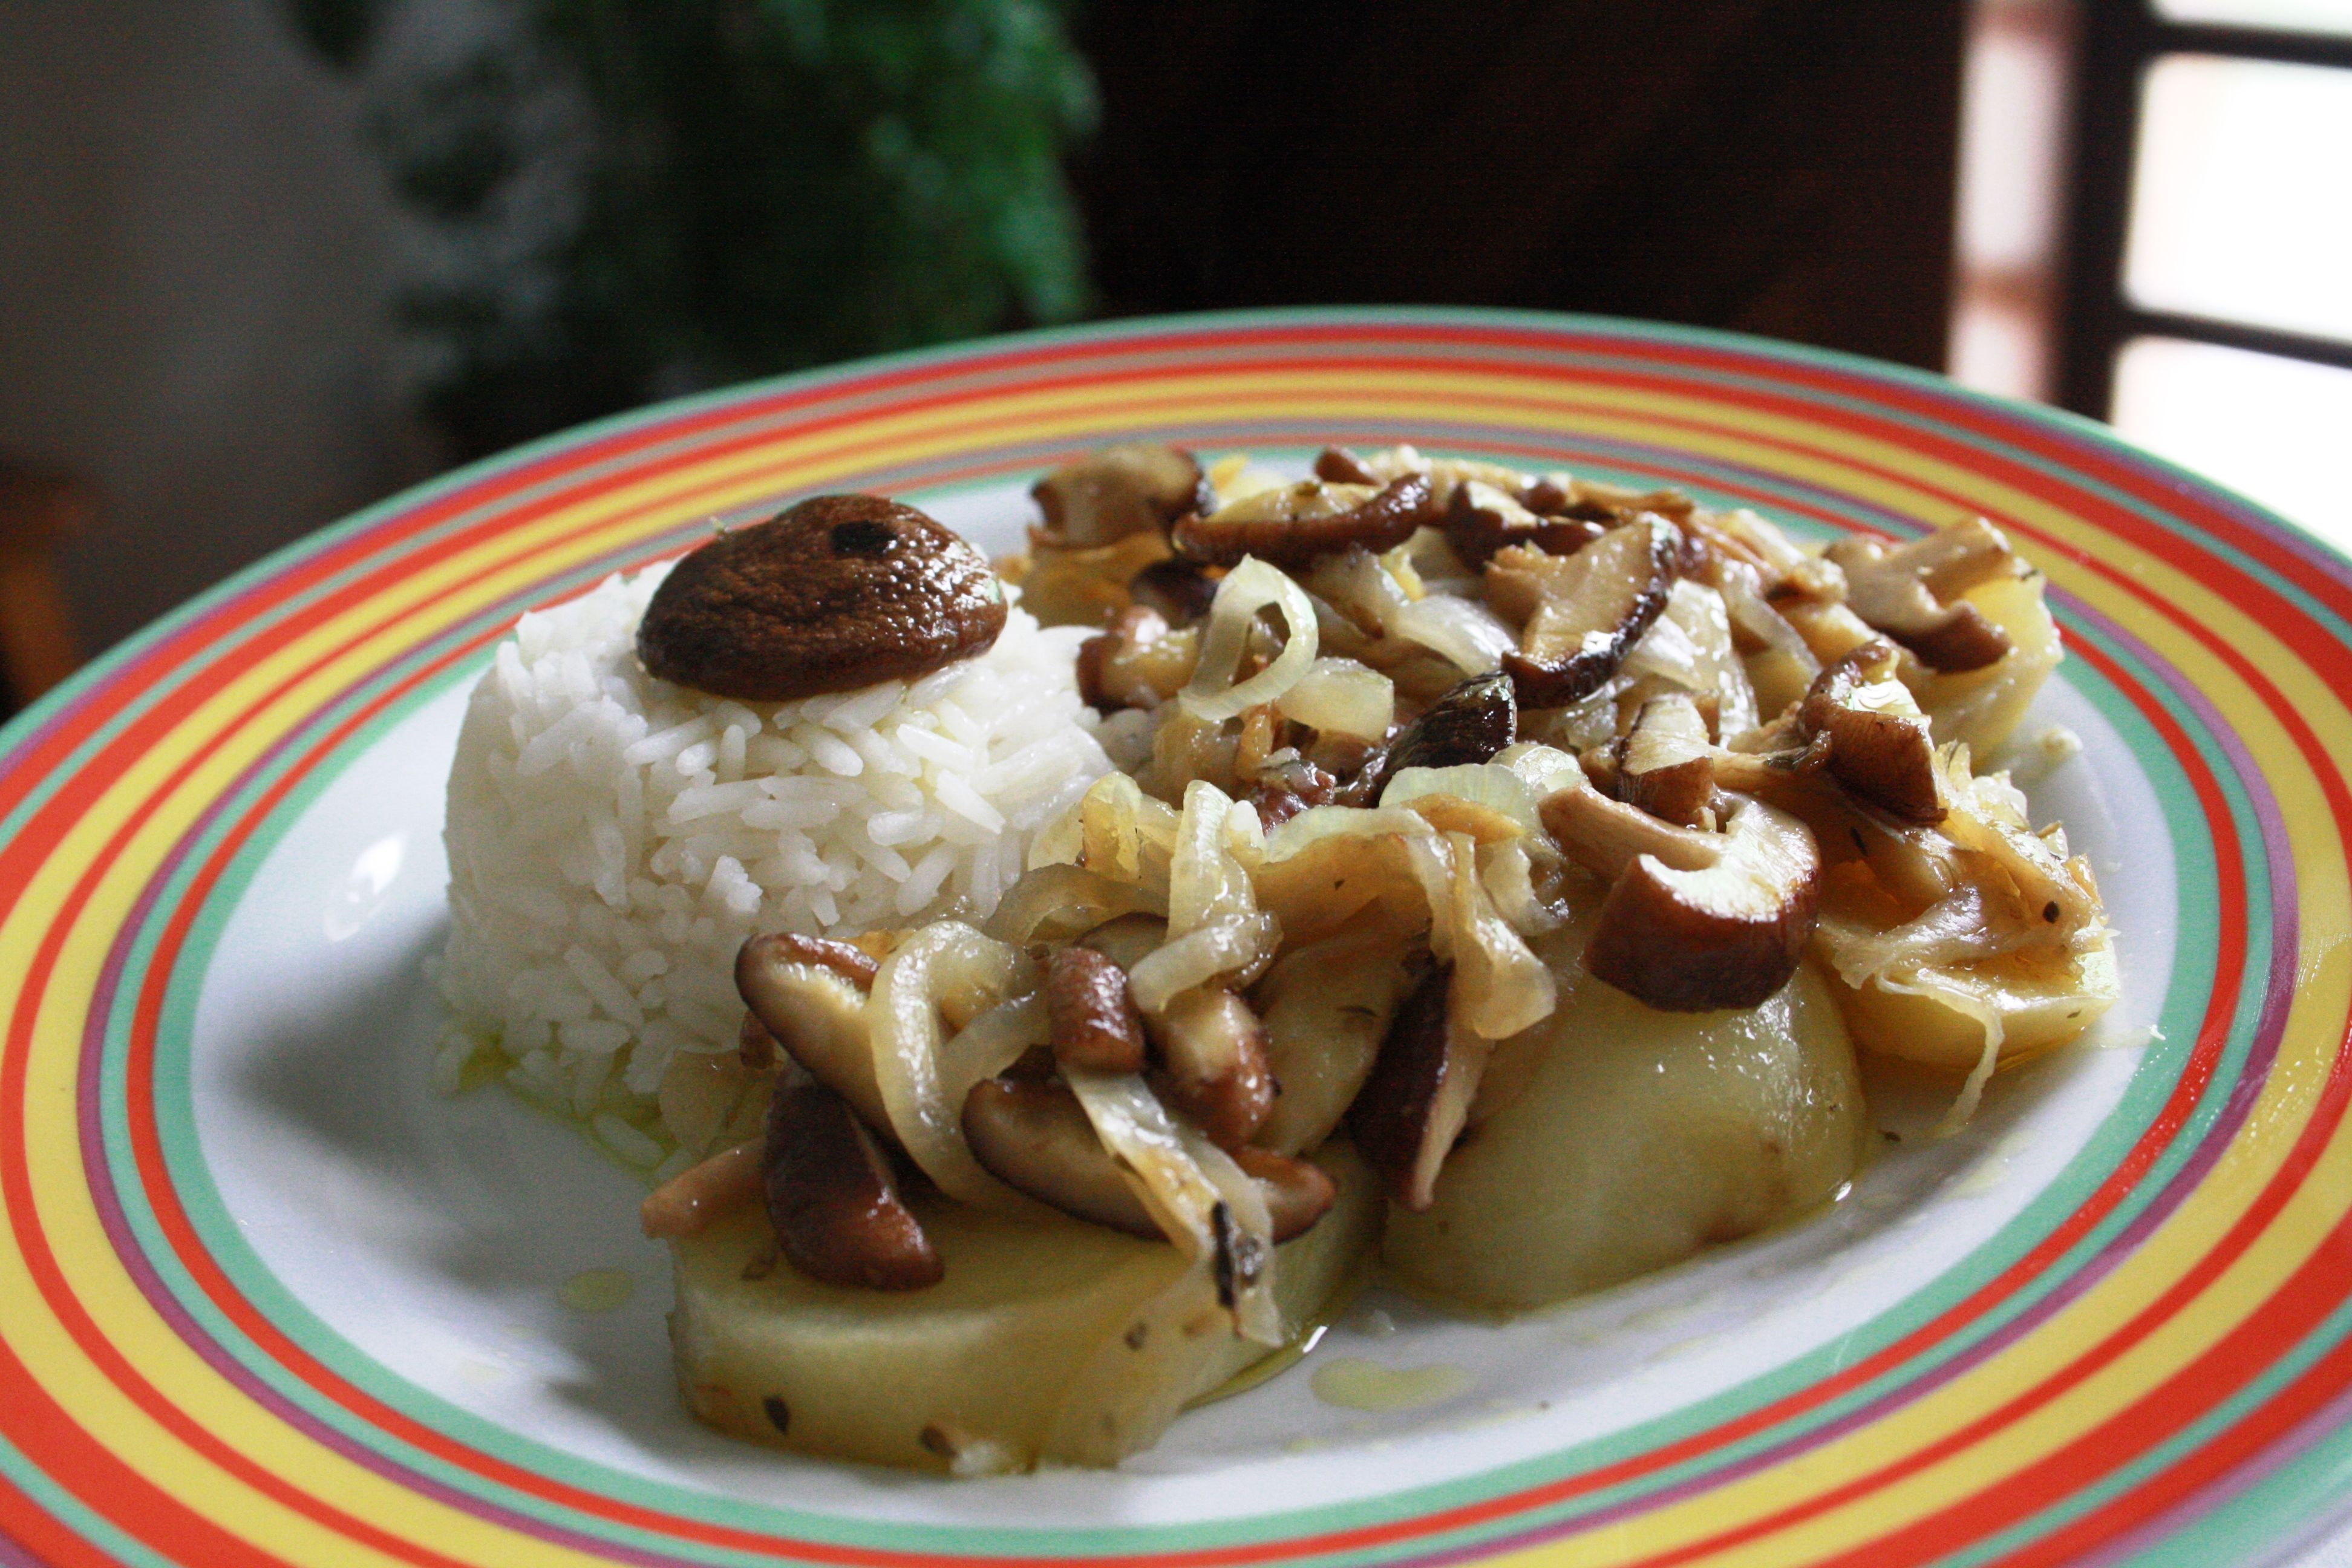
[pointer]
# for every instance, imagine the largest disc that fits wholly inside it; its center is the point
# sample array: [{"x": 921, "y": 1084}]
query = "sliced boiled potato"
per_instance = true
[
  {"x": 2024, "y": 1004},
  {"x": 1983, "y": 707},
  {"x": 1633, "y": 1138},
  {"x": 1326, "y": 1007},
  {"x": 989, "y": 1369}
]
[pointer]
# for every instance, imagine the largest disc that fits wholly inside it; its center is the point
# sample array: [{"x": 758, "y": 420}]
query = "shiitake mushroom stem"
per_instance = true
[
  {"x": 1092, "y": 1017},
  {"x": 1212, "y": 1052},
  {"x": 1034, "y": 1136}
]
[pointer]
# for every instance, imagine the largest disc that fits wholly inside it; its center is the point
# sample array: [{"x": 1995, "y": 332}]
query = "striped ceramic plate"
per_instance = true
[{"x": 265, "y": 1299}]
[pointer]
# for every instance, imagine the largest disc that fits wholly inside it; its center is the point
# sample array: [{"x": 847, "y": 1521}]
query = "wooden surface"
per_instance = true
[
  {"x": 1779, "y": 166},
  {"x": 39, "y": 509}
]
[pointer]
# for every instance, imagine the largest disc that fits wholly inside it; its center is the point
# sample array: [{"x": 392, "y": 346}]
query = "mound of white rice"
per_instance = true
[{"x": 612, "y": 839}]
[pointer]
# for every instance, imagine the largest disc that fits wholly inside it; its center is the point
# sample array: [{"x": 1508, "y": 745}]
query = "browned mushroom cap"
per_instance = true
[
  {"x": 1092, "y": 1019},
  {"x": 1212, "y": 1063},
  {"x": 1469, "y": 723},
  {"x": 1416, "y": 1100},
  {"x": 1291, "y": 525},
  {"x": 1666, "y": 763},
  {"x": 795, "y": 986},
  {"x": 1342, "y": 467},
  {"x": 1879, "y": 744},
  {"x": 1481, "y": 520},
  {"x": 1695, "y": 920},
  {"x": 837, "y": 592},
  {"x": 1911, "y": 590},
  {"x": 834, "y": 1200},
  {"x": 1034, "y": 1137},
  {"x": 1105, "y": 496},
  {"x": 1580, "y": 614}
]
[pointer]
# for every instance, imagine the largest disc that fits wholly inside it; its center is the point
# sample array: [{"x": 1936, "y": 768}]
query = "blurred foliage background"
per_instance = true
[{"x": 632, "y": 199}]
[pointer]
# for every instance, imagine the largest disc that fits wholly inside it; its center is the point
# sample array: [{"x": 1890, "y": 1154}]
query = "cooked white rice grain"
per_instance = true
[{"x": 612, "y": 839}]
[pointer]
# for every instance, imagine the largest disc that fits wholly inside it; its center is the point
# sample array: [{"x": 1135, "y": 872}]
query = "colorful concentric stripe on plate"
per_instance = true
[{"x": 2152, "y": 1358}]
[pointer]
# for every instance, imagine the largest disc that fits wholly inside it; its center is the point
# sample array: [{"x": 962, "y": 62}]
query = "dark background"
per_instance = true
[
  {"x": 201, "y": 255},
  {"x": 1777, "y": 166}
]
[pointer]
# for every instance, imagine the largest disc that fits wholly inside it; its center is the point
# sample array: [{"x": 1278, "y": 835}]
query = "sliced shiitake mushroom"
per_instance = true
[
  {"x": 1212, "y": 1052},
  {"x": 834, "y": 1198},
  {"x": 1291, "y": 524},
  {"x": 1912, "y": 591},
  {"x": 754, "y": 1046},
  {"x": 1102, "y": 497},
  {"x": 1694, "y": 921},
  {"x": 1297, "y": 1193},
  {"x": 1481, "y": 520},
  {"x": 1139, "y": 661},
  {"x": 1665, "y": 763},
  {"x": 1469, "y": 723},
  {"x": 1780, "y": 569},
  {"x": 1093, "y": 1020},
  {"x": 1342, "y": 467},
  {"x": 1179, "y": 589},
  {"x": 1880, "y": 748},
  {"x": 1285, "y": 789},
  {"x": 834, "y": 594},
  {"x": 1580, "y": 614},
  {"x": 1417, "y": 1099},
  {"x": 1034, "y": 1136},
  {"x": 810, "y": 994}
]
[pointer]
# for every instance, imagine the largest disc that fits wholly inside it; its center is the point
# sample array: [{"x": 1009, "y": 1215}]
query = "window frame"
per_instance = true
[{"x": 2120, "y": 40}]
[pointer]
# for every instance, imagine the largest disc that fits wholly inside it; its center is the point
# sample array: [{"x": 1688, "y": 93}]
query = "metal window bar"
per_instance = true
[{"x": 2119, "y": 39}]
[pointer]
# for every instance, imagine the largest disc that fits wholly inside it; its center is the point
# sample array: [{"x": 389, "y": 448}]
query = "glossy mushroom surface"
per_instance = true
[
  {"x": 1582, "y": 614},
  {"x": 834, "y": 594},
  {"x": 834, "y": 1198},
  {"x": 809, "y": 995},
  {"x": 1291, "y": 524}
]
